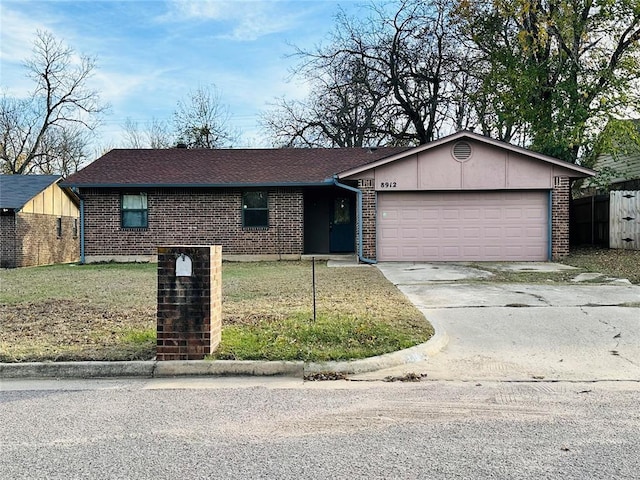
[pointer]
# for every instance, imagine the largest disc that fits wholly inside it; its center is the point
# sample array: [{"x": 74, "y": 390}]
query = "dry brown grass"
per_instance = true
[{"x": 613, "y": 263}]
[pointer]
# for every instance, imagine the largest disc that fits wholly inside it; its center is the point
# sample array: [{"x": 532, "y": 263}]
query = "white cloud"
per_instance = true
[
  {"x": 17, "y": 35},
  {"x": 248, "y": 20}
]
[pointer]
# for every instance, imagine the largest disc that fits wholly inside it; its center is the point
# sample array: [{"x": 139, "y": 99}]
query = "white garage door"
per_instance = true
[{"x": 450, "y": 226}]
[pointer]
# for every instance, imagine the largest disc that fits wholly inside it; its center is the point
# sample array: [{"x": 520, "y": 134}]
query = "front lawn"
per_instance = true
[{"x": 107, "y": 312}]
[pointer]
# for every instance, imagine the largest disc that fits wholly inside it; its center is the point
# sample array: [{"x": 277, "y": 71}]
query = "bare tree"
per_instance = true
[
  {"x": 158, "y": 134},
  {"x": 154, "y": 134},
  {"x": 385, "y": 79},
  {"x": 133, "y": 137},
  {"x": 66, "y": 151},
  {"x": 60, "y": 106},
  {"x": 343, "y": 110},
  {"x": 202, "y": 121}
]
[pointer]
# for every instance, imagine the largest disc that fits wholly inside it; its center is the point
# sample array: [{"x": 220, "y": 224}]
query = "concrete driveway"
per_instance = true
[{"x": 498, "y": 331}]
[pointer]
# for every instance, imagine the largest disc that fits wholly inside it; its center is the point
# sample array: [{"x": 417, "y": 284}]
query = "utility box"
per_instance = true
[{"x": 189, "y": 301}]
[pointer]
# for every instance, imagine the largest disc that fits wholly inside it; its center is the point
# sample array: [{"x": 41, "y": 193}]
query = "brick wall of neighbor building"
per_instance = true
[
  {"x": 368, "y": 218},
  {"x": 38, "y": 243},
  {"x": 560, "y": 199},
  {"x": 193, "y": 217},
  {"x": 7, "y": 240}
]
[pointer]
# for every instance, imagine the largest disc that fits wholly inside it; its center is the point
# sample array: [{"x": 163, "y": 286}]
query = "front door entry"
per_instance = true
[{"x": 342, "y": 225}]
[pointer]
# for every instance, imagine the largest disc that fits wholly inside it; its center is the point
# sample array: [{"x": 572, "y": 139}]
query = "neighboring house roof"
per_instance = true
[
  {"x": 623, "y": 165},
  {"x": 623, "y": 168},
  {"x": 178, "y": 167},
  {"x": 17, "y": 190},
  {"x": 577, "y": 170}
]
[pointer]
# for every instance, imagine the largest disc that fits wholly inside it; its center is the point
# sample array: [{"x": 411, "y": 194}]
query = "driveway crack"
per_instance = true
[
  {"x": 538, "y": 297},
  {"x": 618, "y": 335}
]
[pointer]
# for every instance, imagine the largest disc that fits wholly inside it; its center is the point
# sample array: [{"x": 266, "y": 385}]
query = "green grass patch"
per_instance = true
[
  {"x": 327, "y": 338},
  {"x": 139, "y": 337}
]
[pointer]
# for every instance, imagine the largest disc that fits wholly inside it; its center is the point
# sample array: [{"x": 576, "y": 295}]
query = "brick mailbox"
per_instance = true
[{"x": 189, "y": 301}]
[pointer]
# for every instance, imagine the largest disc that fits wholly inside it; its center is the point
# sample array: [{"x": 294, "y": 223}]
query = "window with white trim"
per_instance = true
[{"x": 134, "y": 211}]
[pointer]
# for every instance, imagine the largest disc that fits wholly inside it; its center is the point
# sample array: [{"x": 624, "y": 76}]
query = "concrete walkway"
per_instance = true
[{"x": 521, "y": 332}]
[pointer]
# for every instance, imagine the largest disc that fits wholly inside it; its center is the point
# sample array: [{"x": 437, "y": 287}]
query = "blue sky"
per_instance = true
[{"x": 150, "y": 53}]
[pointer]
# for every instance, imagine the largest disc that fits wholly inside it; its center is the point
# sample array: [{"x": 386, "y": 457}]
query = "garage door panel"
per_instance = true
[
  {"x": 492, "y": 213},
  {"x": 449, "y": 226},
  {"x": 452, "y": 233},
  {"x": 472, "y": 214},
  {"x": 472, "y": 251},
  {"x": 492, "y": 233},
  {"x": 470, "y": 233},
  {"x": 411, "y": 234},
  {"x": 513, "y": 233},
  {"x": 534, "y": 213},
  {"x": 450, "y": 214},
  {"x": 451, "y": 250}
]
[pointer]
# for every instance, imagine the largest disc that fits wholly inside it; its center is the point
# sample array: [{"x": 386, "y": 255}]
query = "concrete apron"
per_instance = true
[{"x": 520, "y": 332}]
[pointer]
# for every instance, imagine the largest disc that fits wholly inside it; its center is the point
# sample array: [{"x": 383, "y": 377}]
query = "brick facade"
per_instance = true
[
  {"x": 189, "y": 314},
  {"x": 368, "y": 218},
  {"x": 560, "y": 199},
  {"x": 214, "y": 217},
  {"x": 193, "y": 217},
  {"x": 7, "y": 240},
  {"x": 30, "y": 239}
]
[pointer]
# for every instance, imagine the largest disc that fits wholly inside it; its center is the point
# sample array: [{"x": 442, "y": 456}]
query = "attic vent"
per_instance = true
[{"x": 461, "y": 151}]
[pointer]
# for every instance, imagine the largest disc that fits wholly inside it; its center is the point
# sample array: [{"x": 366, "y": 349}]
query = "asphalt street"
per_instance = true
[
  {"x": 524, "y": 382},
  {"x": 236, "y": 428}
]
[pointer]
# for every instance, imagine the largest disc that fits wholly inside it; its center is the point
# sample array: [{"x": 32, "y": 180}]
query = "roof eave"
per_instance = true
[{"x": 324, "y": 182}]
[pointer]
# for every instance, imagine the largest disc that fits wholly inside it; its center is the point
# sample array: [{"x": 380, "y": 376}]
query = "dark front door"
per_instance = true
[
  {"x": 317, "y": 217},
  {"x": 342, "y": 225}
]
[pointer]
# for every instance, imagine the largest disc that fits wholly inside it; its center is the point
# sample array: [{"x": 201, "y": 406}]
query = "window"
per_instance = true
[
  {"x": 255, "y": 210},
  {"x": 341, "y": 211},
  {"x": 59, "y": 227},
  {"x": 134, "y": 211}
]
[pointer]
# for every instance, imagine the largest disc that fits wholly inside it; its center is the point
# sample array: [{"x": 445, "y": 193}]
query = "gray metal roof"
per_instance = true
[{"x": 16, "y": 190}]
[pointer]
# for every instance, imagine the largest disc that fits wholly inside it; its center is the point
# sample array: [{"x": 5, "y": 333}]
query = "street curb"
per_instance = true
[
  {"x": 150, "y": 369},
  {"x": 77, "y": 369},
  {"x": 180, "y": 368},
  {"x": 410, "y": 355}
]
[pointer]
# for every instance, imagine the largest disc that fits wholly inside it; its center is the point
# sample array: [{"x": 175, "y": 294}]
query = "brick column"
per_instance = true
[
  {"x": 368, "y": 218},
  {"x": 560, "y": 198},
  {"x": 189, "y": 301}
]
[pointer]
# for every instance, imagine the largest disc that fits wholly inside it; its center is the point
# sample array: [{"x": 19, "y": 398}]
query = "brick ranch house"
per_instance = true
[
  {"x": 463, "y": 197},
  {"x": 39, "y": 221}
]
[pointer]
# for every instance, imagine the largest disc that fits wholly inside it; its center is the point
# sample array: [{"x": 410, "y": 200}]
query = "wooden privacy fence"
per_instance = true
[
  {"x": 624, "y": 219},
  {"x": 607, "y": 220}
]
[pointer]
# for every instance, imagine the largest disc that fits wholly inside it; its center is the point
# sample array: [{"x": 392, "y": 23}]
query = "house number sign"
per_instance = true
[{"x": 388, "y": 184}]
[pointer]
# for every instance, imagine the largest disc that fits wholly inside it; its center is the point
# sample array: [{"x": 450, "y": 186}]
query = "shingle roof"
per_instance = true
[
  {"x": 228, "y": 167},
  {"x": 16, "y": 190}
]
